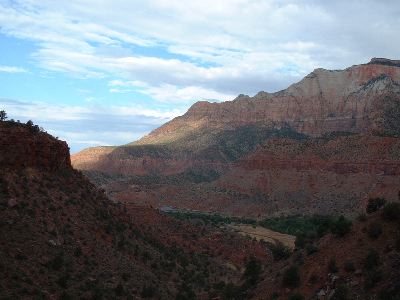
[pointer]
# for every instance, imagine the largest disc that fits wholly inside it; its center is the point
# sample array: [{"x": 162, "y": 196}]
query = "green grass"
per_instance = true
[
  {"x": 308, "y": 226},
  {"x": 215, "y": 219}
]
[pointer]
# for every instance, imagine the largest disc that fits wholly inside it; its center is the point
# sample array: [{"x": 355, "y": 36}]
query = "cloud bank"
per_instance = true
[{"x": 84, "y": 126}]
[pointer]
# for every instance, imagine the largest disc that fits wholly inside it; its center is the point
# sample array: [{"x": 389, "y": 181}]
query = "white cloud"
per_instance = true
[
  {"x": 84, "y": 126},
  {"x": 224, "y": 47},
  {"x": 10, "y": 69},
  {"x": 169, "y": 93}
]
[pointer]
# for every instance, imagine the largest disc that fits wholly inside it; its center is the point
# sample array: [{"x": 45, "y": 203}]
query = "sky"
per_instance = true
[{"x": 99, "y": 72}]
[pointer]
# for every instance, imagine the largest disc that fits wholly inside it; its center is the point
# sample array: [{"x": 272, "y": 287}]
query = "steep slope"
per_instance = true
[{"x": 62, "y": 238}]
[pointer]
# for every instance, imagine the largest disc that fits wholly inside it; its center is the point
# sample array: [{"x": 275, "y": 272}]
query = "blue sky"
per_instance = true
[{"x": 100, "y": 72}]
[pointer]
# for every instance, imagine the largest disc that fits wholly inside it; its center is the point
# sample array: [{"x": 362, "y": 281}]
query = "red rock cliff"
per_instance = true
[{"x": 22, "y": 146}]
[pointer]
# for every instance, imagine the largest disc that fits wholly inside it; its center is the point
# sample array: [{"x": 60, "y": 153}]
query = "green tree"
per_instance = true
[
  {"x": 3, "y": 115},
  {"x": 372, "y": 260},
  {"x": 253, "y": 271},
  {"x": 291, "y": 277},
  {"x": 391, "y": 211},
  {"x": 280, "y": 251},
  {"x": 374, "y": 204},
  {"x": 341, "y": 226},
  {"x": 296, "y": 296},
  {"x": 341, "y": 293},
  {"x": 332, "y": 266}
]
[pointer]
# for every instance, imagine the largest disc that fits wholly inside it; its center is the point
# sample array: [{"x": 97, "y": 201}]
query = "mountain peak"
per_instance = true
[{"x": 384, "y": 61}]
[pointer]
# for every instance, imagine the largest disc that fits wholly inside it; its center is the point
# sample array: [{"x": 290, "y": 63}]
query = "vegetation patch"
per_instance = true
[{"x": 374, "y": 204}]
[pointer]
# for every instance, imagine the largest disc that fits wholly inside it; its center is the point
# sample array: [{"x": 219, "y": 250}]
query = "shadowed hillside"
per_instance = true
[{"x": 62, "y": 238}]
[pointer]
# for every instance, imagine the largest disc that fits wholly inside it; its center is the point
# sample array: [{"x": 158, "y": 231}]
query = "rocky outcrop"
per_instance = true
[
  {"x": 384, "y": 61},
  {"x": 24, "y": 146}
]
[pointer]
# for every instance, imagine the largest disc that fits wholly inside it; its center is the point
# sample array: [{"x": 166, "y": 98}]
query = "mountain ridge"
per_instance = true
[
  {"x": 219, "y": 149},
  {"x": 279, "y": 107}
]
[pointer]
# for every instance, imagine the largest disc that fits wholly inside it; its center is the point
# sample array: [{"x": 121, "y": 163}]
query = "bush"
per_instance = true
[
  {"x": 296, "y": 296},
  {"x": 63, "y": 280},
  {"x": 341, "y": 293},
  {"x": 374, "y": 204},
  {"x": 313, "y": 278},
  {"x": 274, "y": 296},
  {"x": 362, "y": 218},
  {"x": 78, "y": 252},
  {"x": 372, "y": 277},
  {"x": 252, "y": 271},
  {"x": 349, "y": 266},
  {"x": 374, "y": 231},
  {"x": 280, "y": 251},
  {"x": 390, "y": 294},
  {"x": 56, "y": 263},
  {"x": 341, "y": 226},
  {"x": 332, "y": 267},
  {"x": 231, "y": 291},
  {"x": 119, "y": 290},
  {"x": 391, "y": 211},
  {"x": 300, "y": 241},
  {"x": 291, "y": 277},
  {"x": 65, "y": 296},
  {"x": 147, "y": 292},
  {"x": 372, "y": 260},
  {"x": 311, "y": 249},
  {"x": 185, "y": 293}
]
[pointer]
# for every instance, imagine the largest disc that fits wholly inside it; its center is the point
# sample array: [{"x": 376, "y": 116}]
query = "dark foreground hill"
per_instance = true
[{"x": 62, "y": 238}]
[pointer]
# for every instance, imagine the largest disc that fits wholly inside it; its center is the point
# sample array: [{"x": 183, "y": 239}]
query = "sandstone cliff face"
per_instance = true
[
  {"x": 324, "y": 101},
  {"x": 24, "y": 147}
]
